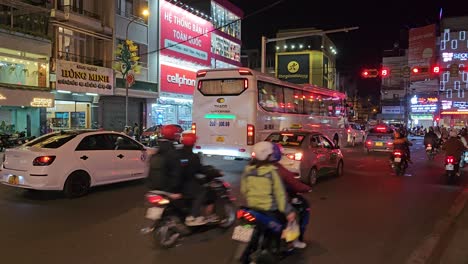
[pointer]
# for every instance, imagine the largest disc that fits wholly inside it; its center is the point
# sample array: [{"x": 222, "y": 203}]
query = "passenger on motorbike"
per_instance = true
[
  {"x": 431, "y": 138},
  {"x": 401, "y": 142},
  {"x": 294, "y": 187},
  {"x": 454, "y": 146},
  {"x": 262, "y": 186},
  {"x": 193, "y": 188},
  {"x": 164, "y": 173}
]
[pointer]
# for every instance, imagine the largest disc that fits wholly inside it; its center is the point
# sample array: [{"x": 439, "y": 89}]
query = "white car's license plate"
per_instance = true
[
  {"x": 449, "y": 167},
  {"x": 154, "y": 213},
  {"x": 397, "y": 159},
  {"x": 242, "y": 233}
]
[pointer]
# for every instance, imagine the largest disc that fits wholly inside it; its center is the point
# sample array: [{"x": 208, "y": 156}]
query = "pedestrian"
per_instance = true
[{"x": 136, "y": 132}]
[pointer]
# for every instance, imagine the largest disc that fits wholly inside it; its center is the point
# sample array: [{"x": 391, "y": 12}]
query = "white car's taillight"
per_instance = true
[
  {"x": 43, "y": 160},
  {"x": 295, "y": 156}
]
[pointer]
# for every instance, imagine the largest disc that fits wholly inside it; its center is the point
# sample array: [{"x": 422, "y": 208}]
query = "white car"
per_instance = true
[
  {"x": 74, "y": 161},
  {"x": 355, "y": 134}
]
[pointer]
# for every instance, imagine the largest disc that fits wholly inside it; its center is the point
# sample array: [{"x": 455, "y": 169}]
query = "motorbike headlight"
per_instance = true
[{"x": 153, "y": 137}]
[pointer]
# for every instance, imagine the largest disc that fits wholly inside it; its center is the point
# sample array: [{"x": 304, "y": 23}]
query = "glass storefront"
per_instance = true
[
  {"x": 23, "y": 68},
  {"x": 69, "y": 115},
  {"x": 225, "y": 20},
  {"x": 14, "y": 119},
  {"x": 172, "y": 113},
  {"x": 225, "y": 48}
]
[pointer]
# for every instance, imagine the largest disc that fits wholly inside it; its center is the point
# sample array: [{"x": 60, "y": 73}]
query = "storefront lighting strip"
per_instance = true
[
  {"x": 219, "y": 116},
  {"x": 62, "y": 91},
  {"x": 455, "y": 113}
]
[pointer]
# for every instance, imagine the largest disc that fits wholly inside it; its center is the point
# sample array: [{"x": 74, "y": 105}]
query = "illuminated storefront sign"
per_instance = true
[
  {"x": 2, "y": 97},
  {"x": 423, "y": 105},
  {"x": 83, "y": 78},
  {"x": 176, "y": 80},
  {"x": 392, "y": 109},
  {"x": 42, "y": 102},
  {"x": 184, "y": 35}
]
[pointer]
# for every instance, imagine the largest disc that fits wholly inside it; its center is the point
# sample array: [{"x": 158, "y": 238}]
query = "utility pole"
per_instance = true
[{"x": 265, "y": 40}]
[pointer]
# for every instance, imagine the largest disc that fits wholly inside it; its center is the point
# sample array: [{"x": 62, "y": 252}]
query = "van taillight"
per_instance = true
[
  {"x": 201, "y": 74},
  {"x": 246, "y": 84},
  {"x": 244, "y": 72},
  {"x": 194, "y": 128},
  {"x": 199, "y": 85},
  {"x": 250, "y": 134}
]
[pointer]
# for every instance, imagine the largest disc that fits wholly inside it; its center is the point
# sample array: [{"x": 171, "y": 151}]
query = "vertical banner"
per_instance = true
[{"x": 421, "y": 50}]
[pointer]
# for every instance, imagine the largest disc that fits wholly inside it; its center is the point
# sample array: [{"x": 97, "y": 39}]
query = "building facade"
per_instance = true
[{"x": 25, "y": 51}]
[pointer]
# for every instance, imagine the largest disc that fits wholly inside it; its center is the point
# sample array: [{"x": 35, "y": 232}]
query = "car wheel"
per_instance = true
[
  {"x": 312, "y": 177},
  {"x": 339, "y": 169},
  {"x": 77, "y": 184}
]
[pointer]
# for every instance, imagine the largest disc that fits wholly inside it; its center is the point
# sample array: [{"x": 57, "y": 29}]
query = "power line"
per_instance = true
[{"x": 218, "y": 28}]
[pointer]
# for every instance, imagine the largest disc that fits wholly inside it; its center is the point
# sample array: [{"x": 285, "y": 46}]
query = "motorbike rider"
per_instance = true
[
  {"x": 431, "y": 138},
  {"x": 164, "y": 173},
  {"x": 454, "y": 147},
  {"x": 193, "y": 188},
  {"x": 262, "y": 186},
  {"x": 401, "y": 142},
  {"x": 293, "y": 188}
]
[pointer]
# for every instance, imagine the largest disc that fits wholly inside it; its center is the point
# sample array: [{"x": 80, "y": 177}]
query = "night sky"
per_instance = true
[{"x": 380, "y": 25}]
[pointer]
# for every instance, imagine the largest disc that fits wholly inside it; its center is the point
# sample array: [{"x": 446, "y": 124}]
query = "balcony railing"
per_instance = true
[
  {"x": 79, "y": 58},
  {"x": 79, "y": 10}
]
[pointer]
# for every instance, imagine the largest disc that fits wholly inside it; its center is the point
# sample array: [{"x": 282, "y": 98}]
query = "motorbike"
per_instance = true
[
  {"x": 166, "y": 216},
  {"x": 452, "y": 169},
  {"x": 259, "y": 238},
  {"x": 399, "y": 162}
]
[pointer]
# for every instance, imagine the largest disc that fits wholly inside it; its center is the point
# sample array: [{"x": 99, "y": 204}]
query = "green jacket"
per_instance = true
[{"x": 263, "y": 188}]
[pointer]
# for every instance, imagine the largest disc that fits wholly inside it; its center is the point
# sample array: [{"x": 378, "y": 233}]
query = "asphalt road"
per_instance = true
[{"x": 367, "y": 216}]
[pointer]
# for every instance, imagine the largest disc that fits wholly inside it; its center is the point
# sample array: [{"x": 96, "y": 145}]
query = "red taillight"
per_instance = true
[
  {"x": 246, "y": 84},
  {"x": 201, "y": 74},
  {"x": 429, "y": 145},
  {"x": 296, "y": 156},
  {"x": 349, "y": 130},
  {"x": 246, "y": 215},
  {"x": 43, "y": 160},
  {"x": 250, "y": 134},
  {"x": 156, "y": 199},
  {"x": 389, "y": 143},
  {"x": 369, "y": 142},
  {"x": 397, "y": 153},
  {"x": 244, "y": 72},
  {"x": 194, "y": 128},
  {"x": 450, "y": 159},
  {"x": 199, "y": 85}
]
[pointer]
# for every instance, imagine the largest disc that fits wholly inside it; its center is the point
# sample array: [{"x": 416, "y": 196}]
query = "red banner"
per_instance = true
[
  {"x": 421, "y": 50},
  {"x": 184, "y": 35},
  {"x": 175, "y": 80}
]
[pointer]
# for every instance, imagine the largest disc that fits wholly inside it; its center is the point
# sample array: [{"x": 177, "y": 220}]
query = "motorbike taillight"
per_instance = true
[
  {"x": 450, "y": 160},
  {"x": 242, "y": 214},
  {"x": 397, "y": 154},
  {"x": 156, "y": 199}
]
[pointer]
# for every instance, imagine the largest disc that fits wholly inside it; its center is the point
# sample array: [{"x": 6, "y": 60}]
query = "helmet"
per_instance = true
[
  {"x": 262, "y": 150},
  {"x": 189, "y": 139},
  {"x": 277, "y": 151},
  {"x": 169, "y": 132}
]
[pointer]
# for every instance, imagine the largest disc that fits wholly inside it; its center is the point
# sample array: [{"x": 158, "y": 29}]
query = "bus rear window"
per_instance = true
[{"x": 222, "y": 86}]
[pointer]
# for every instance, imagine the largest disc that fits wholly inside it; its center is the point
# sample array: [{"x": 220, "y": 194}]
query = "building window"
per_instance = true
[
  {"x": 79, "y": 47},
  {"x": 225, "y": 20},
  {"x": 21, "y": 68}
]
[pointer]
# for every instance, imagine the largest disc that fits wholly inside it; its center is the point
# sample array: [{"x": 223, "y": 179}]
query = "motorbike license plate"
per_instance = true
[
  {"x": 397, "y": 159},
  {"x": 154, "y": 213},
  {"x": 379, "y": 144},
  {"x": 242, "y": 233},
  {"x": 449, "y": 167}
]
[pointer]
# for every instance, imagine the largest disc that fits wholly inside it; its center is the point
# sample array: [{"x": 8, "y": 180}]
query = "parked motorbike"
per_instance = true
[
  {"x": 399, "y": 162},
  {"x": 167, "y": 216},
  {"x": 452, "y": 169}
]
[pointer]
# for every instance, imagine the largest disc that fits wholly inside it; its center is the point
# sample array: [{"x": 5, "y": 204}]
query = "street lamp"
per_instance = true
[{"x": 145, "y": 13}]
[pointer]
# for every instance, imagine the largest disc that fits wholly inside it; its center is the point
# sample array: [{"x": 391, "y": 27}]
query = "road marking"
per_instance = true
[{"x": 425, "y": 250}]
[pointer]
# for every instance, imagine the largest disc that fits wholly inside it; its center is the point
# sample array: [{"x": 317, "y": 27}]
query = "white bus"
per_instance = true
[{"x": 235, "y": 108}]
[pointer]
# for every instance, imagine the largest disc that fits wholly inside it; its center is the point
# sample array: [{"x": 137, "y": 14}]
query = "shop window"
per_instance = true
[
  {"x": 226, "y": 21},
  {"x": 270, "y": 97}
]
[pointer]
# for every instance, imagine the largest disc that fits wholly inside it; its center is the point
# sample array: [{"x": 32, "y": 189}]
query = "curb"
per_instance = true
[{"x": 423, "y": 253}]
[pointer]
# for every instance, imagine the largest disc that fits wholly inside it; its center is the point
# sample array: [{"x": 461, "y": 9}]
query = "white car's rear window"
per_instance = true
[{"x": 52, "y": 141}]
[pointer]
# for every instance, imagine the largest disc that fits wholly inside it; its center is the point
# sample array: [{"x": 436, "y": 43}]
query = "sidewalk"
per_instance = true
[{"x": 456, "y": 247}]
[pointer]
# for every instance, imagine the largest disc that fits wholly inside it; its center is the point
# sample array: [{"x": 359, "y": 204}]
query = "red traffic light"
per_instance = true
[
  {"x": 436, "y": 69},
  {"x": 365, "y": 73},
  {"x": 370, "y": 73},
  {"x": 384, "y": 72},
  {"x": 415, "y": 70}
]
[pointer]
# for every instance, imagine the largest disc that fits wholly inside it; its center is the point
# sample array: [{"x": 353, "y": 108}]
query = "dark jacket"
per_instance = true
[
  {"x": 190, "y": 165},
  {"x": 293, "y": 186},
  {"x": 164, "y": 173},
  {"x": 454, "y": 147},
  {"x": 431, "y": 138}
]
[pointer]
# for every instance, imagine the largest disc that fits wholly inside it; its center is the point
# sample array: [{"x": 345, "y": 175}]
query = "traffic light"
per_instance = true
[
  {"x": 370, "y": 73},
  {"x": 435, "y": 69},
  {"x": 419, "y": 69},
  {"x": 384, "y": 72}
]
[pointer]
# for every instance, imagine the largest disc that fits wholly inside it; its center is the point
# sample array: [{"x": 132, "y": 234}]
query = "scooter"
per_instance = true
[
  {"x": 399, "y": 162},
  {"x": 452, "y": 169},
  {"x": 167, "y": 216}
]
